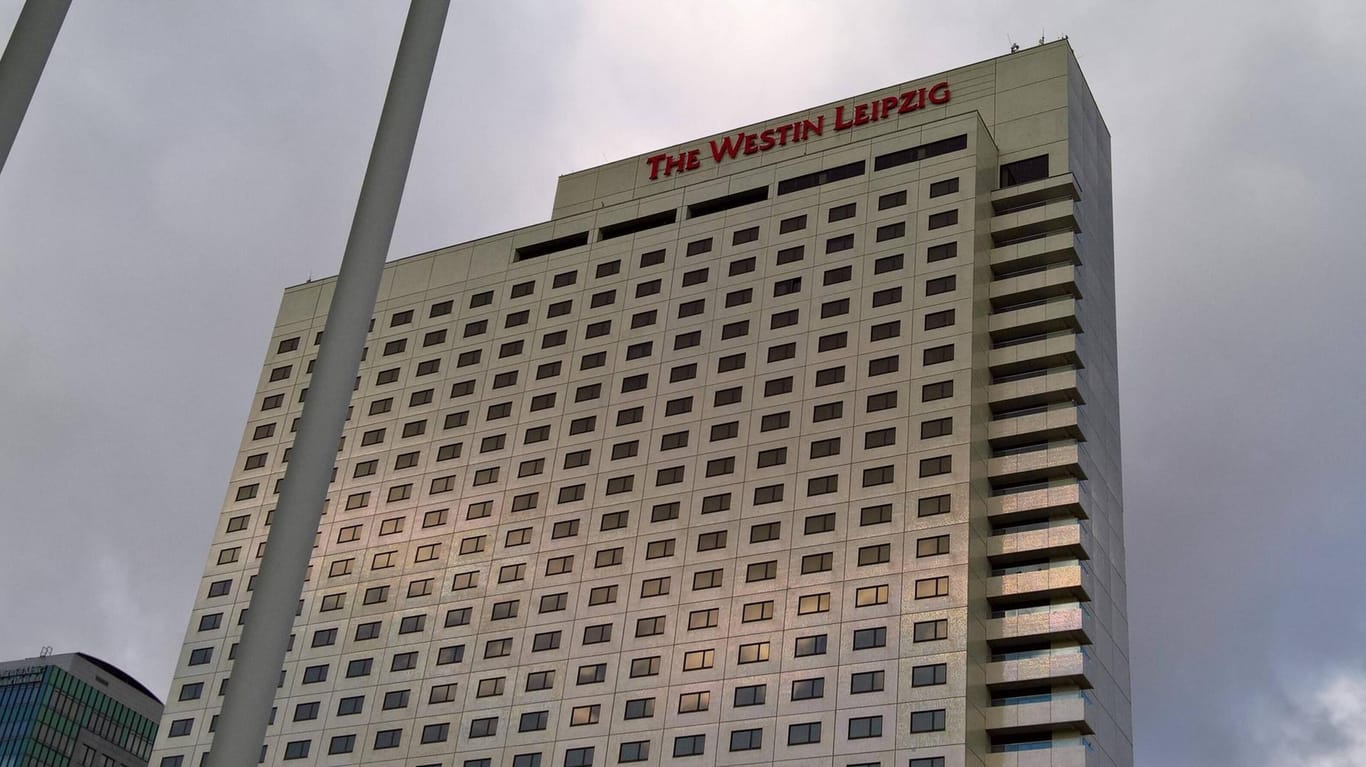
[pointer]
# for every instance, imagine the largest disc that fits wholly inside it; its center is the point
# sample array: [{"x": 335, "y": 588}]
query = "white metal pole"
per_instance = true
[
  {"x": 22, "y": 64},
  {"x": 260, "y": 654}
]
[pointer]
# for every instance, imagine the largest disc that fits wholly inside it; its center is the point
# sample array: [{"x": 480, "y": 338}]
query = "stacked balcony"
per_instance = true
[{"x": 1040, "y": 581}]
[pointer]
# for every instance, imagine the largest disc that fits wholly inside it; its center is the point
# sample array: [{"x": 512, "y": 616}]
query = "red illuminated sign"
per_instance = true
[{"x": 730, "y": 147}]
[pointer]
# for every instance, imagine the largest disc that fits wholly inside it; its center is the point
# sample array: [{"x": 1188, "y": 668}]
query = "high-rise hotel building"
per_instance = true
[{"x": 793, "y": 445}]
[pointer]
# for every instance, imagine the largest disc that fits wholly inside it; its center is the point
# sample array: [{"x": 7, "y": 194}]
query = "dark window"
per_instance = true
[
  {"x": 794, "y": 224},
  {"x": 940, "y": 285},
  {"x": 941, "y": 252},
  {"x": 841, "y": 212},
  {"x": 1023, "y": 171},
  {"x": 891, "y": 200},
  {"x": 943, "y": 219},
  {"x": 947, "y": 186}
]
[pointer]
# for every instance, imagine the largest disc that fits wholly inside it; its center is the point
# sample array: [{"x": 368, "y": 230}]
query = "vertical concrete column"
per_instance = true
[
  {"x": 22, "y": 64},
  {"x": 275, "y": 598}
]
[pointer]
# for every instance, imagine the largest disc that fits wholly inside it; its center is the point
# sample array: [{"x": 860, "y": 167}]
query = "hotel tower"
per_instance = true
[{"x": 797, "y": 444}]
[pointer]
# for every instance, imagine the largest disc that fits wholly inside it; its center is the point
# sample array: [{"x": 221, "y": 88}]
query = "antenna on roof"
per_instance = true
[
  {"x": 1041, "y": 37},
  {"x": 46, "y": 651},
  {"x": 1014, "y": 46}
]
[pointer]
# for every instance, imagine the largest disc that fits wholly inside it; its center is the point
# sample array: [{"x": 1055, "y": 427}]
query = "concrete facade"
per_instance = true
[{"x": 806, "y": 448}]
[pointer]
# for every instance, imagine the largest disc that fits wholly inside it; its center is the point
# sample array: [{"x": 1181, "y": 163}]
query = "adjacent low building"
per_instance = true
[
  {"x": 793, "y": 445},
  {"x": 74, "y": 709}
]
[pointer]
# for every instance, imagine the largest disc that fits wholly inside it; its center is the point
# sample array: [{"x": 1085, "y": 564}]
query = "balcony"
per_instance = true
[
  {"x": 1060, "y": 187},
  {"x": 1058, "y": 460},
  {"x": 1051, "y": 389},
  {"x": 1054, "y": 351},
  {"x": 1062, "y": 752},
  {"x": 1060, "y": 248},
  {"x": 1050, "y": 424},
  {"x": 1031, "y": 287},
  {"x": 1040, "y": 503},
  {"x": 1061, "y": 538},
  {"x": 1042, "y": 714},
  {"x": 1067, "y": 666},
  {"x": 1033, "y": 222},
  {"x": 1055, "y": 581},
  {"x": 1050, "y": 622},
  {"x": 1036, "y": 319}
]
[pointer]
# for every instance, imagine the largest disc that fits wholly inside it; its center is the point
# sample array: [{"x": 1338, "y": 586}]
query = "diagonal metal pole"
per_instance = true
[
  {"x": 22, "y": 64},
  {"x": 275, "y": 598}
]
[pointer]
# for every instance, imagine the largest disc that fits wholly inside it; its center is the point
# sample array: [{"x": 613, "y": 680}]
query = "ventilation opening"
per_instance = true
[
  {"x": 716, "y": 205},
  {"x": 829, "y": 175},
  {"x": 556, "y": 245},
  {"x": 651, "y": 221},
  {"x": 922, "y": 152}
]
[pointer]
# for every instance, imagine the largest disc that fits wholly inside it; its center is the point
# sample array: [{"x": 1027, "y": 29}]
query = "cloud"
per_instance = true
[{"x": 1321, "y": 724}]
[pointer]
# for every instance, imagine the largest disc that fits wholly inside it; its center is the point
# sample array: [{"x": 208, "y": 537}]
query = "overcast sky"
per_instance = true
[{"x": 183, "y": 162}]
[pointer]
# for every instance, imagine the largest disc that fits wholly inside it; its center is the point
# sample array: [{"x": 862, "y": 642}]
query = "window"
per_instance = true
[
  {"x": 395, "y": 699},
  {"x": 794, "y": 224},
  {"x": 943, "y": 219},
  {"x": 879, "y": 438},
  {"x": 818, "y": 563},
  {"x": 791, "y": 254},
  {"x": 757, "y": 611},
  {"x": 927, "y": 721},
  {"x": 583, "y": 715},
  {"x": 640, "y": 708},
  {"x": 450, "y": 654},
  {"x": 579, "y": 757},
  {"x": 755, "y": 652},
  {"x": 403, "y": 661},
  {"x": 704, "y": 619},
  {"x": 651, "y": 258},
  {"x": 874, "y": 555},
  {"x": 940, "y": 285},
  {"x": 697, "y": 660},
  {"x": 690, "y": 745},
  {"x": 891, "y": 200},
  {"x": 930, "y": 761},
  {"x": 804, "y": 733},
  {"x": 949, "y": 186},
  {"x": 545, "y": 640},
  {"x": 650, "y": 666},
  {"x": 691, "y": 702},
  {"x": 866, "y": 639},
  {"x": 928, "y": 588},
  {"x": 841, "y": 212},
  {"x": 1024, "y": 171},
  {"x": 937, "y": 504},
  {"x": 746, "y": 740},
  {"x": 937, "y": 354},
  {"x": 928, "y": 676},
  {"x": 933, "y": 467},
  {"x": 633, "y": 751},
  {"x": 819, "y": 523},
  {"x": 711, "y": 541},
  {"x": 351, "y": 705},
  {"x": 654, "y": 587},
  {"x": 891, "y": 231},
  {"x": 297, "y": 749},
  {"x": 827, "y": 411},
  {"x": 822, "y": 485},
  {"x": 865, "y": 727},
  {"x": 751, "y": 695},
  {"x": 761, "y": 571},
  {"x": 885, "y": 330},
  {"x": 869, "y": 596},
  {"x": 837, "y": 244},
  {"x": 313, "y": 675},
  {"x": 867, "y": 681},
  {"x": 813, "y": 603},
  {"x": 592, "y": 674},
  {"x": 942, "y": 319},
  {"x": 706, "y": 579},
  {"x": 484, "y": 728}
]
